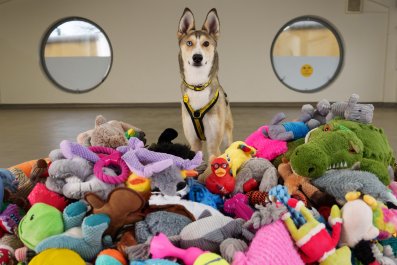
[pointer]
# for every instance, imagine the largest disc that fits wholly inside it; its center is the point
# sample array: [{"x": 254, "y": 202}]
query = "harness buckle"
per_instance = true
[{"x": 197, "y": 114}]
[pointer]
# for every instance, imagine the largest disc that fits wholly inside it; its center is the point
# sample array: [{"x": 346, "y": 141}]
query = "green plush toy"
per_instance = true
[
  {"x": 344, "y": 144},
  {"x": 41, "y": 222}
]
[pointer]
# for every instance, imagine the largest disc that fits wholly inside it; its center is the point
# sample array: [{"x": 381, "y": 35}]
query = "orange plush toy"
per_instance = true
[{"x": 220, "y": 181}]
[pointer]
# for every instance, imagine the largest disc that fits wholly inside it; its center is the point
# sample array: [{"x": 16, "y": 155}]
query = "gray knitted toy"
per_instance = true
[
  {"x": 259, "y": 169},
  {"x": 167, "y": 180},
  {"x": 170, "y": 224},
  {"x": 74, "y": 177},
  {"x": 351, "y": 110},
  {"x": 209, "y": 232},
  {"x": 319, "y": 114},
  {"x": 341, "y": 181}
]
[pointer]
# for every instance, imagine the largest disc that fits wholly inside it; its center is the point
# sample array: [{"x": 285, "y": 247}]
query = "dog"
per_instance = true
[{"x": 206, "y": 114}]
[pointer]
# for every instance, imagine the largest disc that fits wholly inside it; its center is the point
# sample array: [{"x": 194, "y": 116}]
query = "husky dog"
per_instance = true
[{"x": 206, "y": 114}]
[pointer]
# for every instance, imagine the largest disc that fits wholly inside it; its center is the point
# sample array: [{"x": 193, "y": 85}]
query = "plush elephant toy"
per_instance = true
[
  {"x": 352, "y": 111},
  {"x": 74, "y": 177}
]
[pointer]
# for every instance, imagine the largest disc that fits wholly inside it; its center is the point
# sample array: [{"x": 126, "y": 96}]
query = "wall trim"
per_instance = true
[{"x": 171, "y": 105}]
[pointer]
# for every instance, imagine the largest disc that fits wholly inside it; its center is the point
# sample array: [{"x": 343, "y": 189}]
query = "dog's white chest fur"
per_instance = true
[{"x": 198, "y": 99}]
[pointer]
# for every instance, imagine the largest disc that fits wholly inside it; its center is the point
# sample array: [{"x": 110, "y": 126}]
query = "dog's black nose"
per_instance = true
[{"x": 197, "y": 58}]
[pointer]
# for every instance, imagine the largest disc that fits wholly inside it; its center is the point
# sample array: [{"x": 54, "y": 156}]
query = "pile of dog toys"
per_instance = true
[{"x": 317, "y": 190}]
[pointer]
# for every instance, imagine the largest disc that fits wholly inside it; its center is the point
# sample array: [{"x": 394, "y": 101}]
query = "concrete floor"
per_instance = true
[{"x": 27, "y": 134}]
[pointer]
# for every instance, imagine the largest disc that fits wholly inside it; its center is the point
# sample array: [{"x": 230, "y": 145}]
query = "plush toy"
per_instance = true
[
  {"x": 314, "y": 242},
  {"x": 138, "y": 183},
  {"x": 266, "y": 148},
  {"x": 82, "y": 234},
  {"x": 220, "y": 181},
  {"x": 199, "y": 193},
  {"x": 57, "y": 256},
  {"x": 288, "y": 131},
  {"x": 108, "y": 133},
  {"x": 144, "y": 162},
  {"x": 123, "y": 206},
  {"x": 161, "y": 247},
  {"x": 236, "y": 154},
  {"x": 272, "y": 244},
  {"x": 209, "y": 232},
  {"x": 357, "y": 220},
  {"x": 74, "y": 177},
  {"x": 153, "y": 262},
  {"x": 258, "y": 169},
  {"x": 301, "y": 186},
  {"x": 39, "y": 223},
  {"x": 384, "y": 219},
  {"x": 320, "y": 113},
  {"x": 339, "y": 182},
  {"x": 167, "y": 179},
  {"x": 344, "y": 144},
  {"x": 195, "y": 208},
  {"x": 165, "y": 145},
  {"x": 170, "y": 224},
  {"x": 351, "y": 110},
  {"x": 40, "y": 193}
]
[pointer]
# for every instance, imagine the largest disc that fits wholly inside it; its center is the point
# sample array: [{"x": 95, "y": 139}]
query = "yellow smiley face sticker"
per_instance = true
[{"x": 306, "y": 70}]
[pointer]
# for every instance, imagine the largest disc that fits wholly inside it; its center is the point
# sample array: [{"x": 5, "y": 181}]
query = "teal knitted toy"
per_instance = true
[
  {"x": 344, "y": 144},
  {"x": 85, "y": 240}
]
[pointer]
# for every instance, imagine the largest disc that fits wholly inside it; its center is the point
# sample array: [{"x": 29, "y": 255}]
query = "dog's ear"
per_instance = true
[
  {"x": 186, "y": 23},
  {"x": 211, "y": 24}
]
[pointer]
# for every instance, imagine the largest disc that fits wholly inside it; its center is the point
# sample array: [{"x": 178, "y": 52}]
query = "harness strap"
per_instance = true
[{"x": 198, "y": 115}]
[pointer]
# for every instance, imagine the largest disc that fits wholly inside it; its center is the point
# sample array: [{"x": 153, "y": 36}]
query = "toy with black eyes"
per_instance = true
[{"x": 220, "y": 181}]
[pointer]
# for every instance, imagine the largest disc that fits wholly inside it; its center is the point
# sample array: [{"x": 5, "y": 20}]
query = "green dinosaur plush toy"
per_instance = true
[{"x": 344, "y": 144}]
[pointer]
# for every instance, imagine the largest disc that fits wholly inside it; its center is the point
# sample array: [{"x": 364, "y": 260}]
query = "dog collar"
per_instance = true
[
  {"x": 197, "y": 88},
  {"x": 198, "y": 115}
]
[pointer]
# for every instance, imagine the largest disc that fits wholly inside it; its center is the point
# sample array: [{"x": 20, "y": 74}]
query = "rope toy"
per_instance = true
[{"x": 109, "y": 157}]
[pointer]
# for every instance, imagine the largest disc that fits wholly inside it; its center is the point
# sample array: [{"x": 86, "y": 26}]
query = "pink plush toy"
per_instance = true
[
  {"x": 161, "y": 247},
  {"x": 265, "y": 147},
  {"x": 40, "y": 193},
  {"x": 272, "y": 244}
]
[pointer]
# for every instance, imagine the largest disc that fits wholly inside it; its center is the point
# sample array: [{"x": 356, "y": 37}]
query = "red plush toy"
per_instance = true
[{"x": 220, "y": 181}]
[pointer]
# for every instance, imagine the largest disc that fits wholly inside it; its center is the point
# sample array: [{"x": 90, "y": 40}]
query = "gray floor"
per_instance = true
[{"x": 27, "y": 134}]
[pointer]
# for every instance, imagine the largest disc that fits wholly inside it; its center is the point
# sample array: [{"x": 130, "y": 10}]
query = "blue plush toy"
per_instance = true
[
  {"x": 199, "y": 193},
  {"x": 82, "y": 234}
]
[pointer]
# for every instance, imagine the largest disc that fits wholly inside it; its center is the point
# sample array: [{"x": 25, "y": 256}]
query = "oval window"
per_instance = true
[
  {"x": 76, "y": 54},
  {"x": 307, "y": 54}
]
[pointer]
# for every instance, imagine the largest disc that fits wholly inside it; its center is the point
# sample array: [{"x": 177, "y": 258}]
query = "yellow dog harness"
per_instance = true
[{"x": 198, "y": 115}]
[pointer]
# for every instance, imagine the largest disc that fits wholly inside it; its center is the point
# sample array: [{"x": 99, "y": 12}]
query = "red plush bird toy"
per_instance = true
[{"x": 220, "y": 181}]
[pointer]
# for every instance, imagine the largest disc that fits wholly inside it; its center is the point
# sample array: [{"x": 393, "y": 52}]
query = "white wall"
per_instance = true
[{"x": 145, "y": 66}]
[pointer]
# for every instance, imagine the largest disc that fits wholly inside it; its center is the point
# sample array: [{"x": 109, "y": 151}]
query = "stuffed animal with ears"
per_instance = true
[
  {"x": 43, "y": 226},
  {"x": 74, "y": 176},
  {"x": 357, "y": 218},
  {"x": 320, "y": 113},
  {"x": 123, "y": 206},
  {"x": 236, "y": 154},
  {"x": 301, "y": 187},
  {"x": 272, "y": 243},
  {"x": 165, "y": 145},
  {"x": 288, "y": 131},
  {"x": 314, "y": 241},
  {"x": 351, "y": 110},
  {"x": 256, "y": 172},
  {"x": 109, "y": 133}
]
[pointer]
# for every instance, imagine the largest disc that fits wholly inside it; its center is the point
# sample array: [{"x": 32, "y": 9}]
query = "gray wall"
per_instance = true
[{"x": 145, "y": 67}]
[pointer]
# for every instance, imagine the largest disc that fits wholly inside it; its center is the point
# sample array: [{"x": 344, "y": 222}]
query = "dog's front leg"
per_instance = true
[{"x": 214, "y": 133}]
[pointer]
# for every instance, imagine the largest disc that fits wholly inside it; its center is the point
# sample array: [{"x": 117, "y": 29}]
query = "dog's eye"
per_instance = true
[
  {"x": 189, "y": 43},
  {"x": 206, "y": 44}
]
